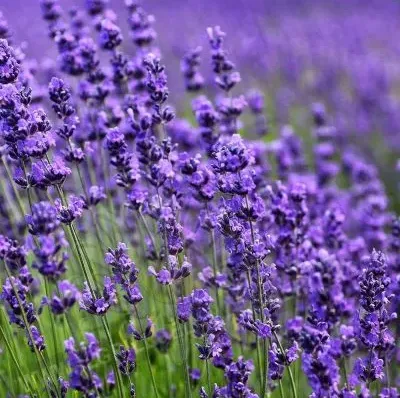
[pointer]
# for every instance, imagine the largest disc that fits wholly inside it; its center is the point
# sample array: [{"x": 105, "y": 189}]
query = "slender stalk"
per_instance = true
[
  {"x": 80, "y": 247},
  {"x": 281, "y": 390},
  {"x": 181, "y": 343},
  {"x": 153, "y": 381},
  {"x": 208, "y": 373},
  {"x": 95, "y": 224},
  {"x": 10, "y": 209},
  {"x": 146, "y": 226},
  {"x": 259, "y": 367},
  {"x": 110, "y": 203},
  {"x": 292, "y": 383},
  {"x": 83, "y": 267},
  {"x": 16, "y": 193},
  {"x": 28, "y": 191},
  {"x": 53, "y": 330},
  {"x": 28, "y": 329},
  {"x": 261, "y": 303},
  {"x": 345, "y": 372},
  {"x": 114, "y": 355},
  {"x": 173, "y": 303},
  {"x": 14, "y": 358},
  {"x": 387, "y": 372},
  {"x": 214, "y": 261}
]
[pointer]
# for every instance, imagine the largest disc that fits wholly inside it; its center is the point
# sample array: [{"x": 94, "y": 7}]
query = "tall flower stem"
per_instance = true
[
  {"x": 52, "y": 324},
  {"x": 259, "y": 365},
  {"x": 14, "y": 358},
  {"x": 81, "y": 251},
  {"x": 345, "y": 372},
  {"x": 214, "y": 261},
  {"x": 173, "y": 303},
  {"x": 292, "y": 383},
  {"x": 261, "y": 301},
  {"x": 146, "y": 349},
  {"x": 110, "y": 203},
  {"x": 106, "y": 328},
  {"x": 15, "y": 190},
  {"x": 181, "y": 343},
  {"x": 208, "y": 373},
  {"x": 115, "y": 363},
  {"x": 95, "y": 224},
  {"x": 281, "y": 390},
  {"x": 38, "y": 355}
]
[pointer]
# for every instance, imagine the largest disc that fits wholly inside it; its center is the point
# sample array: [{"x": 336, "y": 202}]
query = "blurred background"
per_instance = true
[{"x": 342, "y": 53}]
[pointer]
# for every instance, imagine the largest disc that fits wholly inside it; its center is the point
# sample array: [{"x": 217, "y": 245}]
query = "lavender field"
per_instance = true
[{"x": 199, "y": 198}]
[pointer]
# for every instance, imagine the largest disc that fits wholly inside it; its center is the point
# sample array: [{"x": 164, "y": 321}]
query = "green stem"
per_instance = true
[
  {"x": 146, "y": 226},
  {"x": 115, "y": 363},
  {"x": 345, "y": 372},
  {"x": 153, "y": 381},
  {"x": 208, "y": 373},
  {"x": 14, "y": 358},
  {"x": 259, "y": 367},
  {"x": 28, "y": 329},
  {"x": 53, "y": 330},
  {"x": 80, "y": 247},
  {"x": 16, "y": 193},
  {"x": 96, "y": 227},
  {"x": 292, "y": 383},
  {"x": 214, "y": 263},
  {"x": 110, "y": 203},
  {"x": 181, "y": 343},
  {"x": 282, "y": 391}
]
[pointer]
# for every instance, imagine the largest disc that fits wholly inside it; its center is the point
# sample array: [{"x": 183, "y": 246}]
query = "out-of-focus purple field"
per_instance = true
[{"x": 342, "y": 53}]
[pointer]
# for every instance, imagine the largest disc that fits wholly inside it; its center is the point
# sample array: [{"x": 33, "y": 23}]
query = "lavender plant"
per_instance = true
[{"x": 149, "y": 252}]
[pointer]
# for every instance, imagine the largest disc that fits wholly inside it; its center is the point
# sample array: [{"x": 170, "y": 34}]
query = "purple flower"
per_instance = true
[
  {"x": 43, "y": 220},
  {"x": 68, "y": 295},
  {"x": 67, "y": 213},
  {"x": 145, "y": 334},
  {"x": 232, "y": 156},
  {"x": 9, "y": 64},
  {"x": 37, "y": 339},
  {"x": 96, "y": 195},
  {"x": 370, "y": 368},
  {"x": 194, "y": 81},
  {"x": 126, "y": 360},
  {"x": 184, "y": 309},
  {"x": 226, "y": 76},
  {"x": 163, "y": 340},
  {"x": 110, "y": 35},
  {"x": 98, "y": 305},
  {"x": 82, "y": 378}
]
